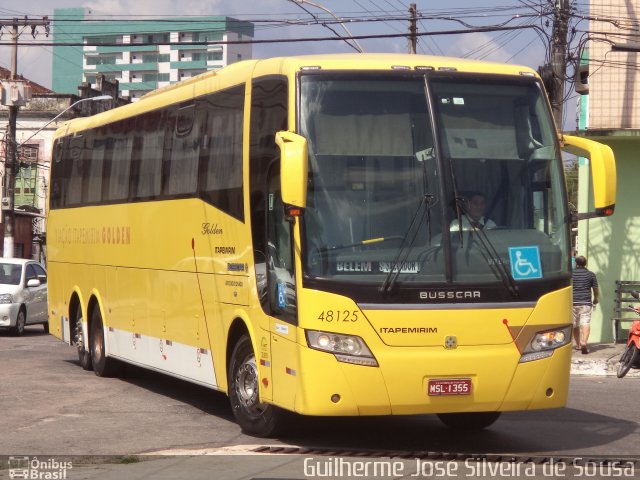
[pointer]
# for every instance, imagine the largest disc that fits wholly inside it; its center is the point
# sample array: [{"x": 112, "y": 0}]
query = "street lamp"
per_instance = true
[
  {"x": 10, "y": 178},
  {"x": 99, "y": 98}
]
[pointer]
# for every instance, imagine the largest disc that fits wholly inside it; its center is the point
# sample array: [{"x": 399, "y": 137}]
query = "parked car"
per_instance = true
[{"x": 23, "y": 295}]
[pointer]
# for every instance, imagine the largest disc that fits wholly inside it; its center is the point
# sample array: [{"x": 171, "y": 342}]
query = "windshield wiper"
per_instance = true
[
  {"x": 427, "y": 201},
  {"x": 361, "y": 243}
]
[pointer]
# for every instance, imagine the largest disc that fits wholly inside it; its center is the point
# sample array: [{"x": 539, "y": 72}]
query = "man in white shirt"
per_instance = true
[{"x": 476, "y": 205}]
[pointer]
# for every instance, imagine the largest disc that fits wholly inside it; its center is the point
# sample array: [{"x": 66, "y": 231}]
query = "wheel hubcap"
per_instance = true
[
  {"x": 247, "y": 386},
  {"x": 98, "y": 345},
  {"x": 79, "y": 340}
]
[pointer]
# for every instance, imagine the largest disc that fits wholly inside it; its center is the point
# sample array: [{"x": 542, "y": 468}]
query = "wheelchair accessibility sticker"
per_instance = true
[
  {"x": 282, "y": 298},
  {"x": 525, "y": 263}
]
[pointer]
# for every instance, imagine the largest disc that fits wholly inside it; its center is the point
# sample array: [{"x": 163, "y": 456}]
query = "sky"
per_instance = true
[{"x": 518, "y": 46}]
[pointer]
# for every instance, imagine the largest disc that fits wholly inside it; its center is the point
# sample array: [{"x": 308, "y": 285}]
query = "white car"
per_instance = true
[{"x": 23, "y": 295}]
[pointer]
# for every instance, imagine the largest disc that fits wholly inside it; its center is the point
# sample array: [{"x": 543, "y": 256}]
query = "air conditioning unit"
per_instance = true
[
  {"x": 15, "y": 93},
  {"x": 582, "y": 79}
]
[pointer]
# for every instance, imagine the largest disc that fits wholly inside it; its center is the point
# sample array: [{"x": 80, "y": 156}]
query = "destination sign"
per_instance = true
[{"x": 361, "y": 267}]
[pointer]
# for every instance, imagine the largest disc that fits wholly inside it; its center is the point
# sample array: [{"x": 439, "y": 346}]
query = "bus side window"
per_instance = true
[
  {"x": 281, "y": 281},
  {"x": 269, "y": 110}
]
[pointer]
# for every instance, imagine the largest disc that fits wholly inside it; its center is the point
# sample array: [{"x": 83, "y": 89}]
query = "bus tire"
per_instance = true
[
  {"x": 255, "y": 418},
  {"x": 468, "y": 421},
  {"x": 84, "y": 357},
  {"x": 103, "y": 366}
]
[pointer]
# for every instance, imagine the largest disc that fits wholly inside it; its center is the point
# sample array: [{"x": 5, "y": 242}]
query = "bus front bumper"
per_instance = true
[{"x": 399, "y": 385}]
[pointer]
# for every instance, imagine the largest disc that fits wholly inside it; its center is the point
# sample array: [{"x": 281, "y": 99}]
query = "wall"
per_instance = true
[
  {"x": 612, "y": 245},
  {"x": 614, "y": 84}
]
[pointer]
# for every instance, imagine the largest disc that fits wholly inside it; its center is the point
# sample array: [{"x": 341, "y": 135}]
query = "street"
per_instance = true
[{"x": 51, "y": 407}]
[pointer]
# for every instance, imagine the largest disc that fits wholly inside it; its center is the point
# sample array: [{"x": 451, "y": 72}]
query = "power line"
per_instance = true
[{"x": 281, "y": 40}]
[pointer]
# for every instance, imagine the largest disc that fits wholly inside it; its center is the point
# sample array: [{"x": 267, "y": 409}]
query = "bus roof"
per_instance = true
[{"x": 238, "y": 73}]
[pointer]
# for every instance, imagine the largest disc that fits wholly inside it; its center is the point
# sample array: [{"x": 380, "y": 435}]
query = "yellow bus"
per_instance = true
[{"x": 333, "y": 235}]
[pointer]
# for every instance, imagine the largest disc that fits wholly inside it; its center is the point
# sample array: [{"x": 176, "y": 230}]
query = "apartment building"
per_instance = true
[{"x": 142, "y": 54}]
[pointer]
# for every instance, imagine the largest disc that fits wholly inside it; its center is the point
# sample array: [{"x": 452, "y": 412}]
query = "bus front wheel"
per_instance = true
[
  {"x": 468, "y": 421},
  {"x": 254, "y": 417}
]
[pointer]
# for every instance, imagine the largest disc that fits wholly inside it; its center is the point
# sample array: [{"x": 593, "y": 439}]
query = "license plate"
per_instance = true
[{"x": 450, "y": 386}]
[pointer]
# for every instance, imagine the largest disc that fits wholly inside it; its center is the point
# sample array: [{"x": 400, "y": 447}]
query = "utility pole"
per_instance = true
[
  {"x": 14, "y": 95},
  {"x": 413, "y": 28},
  {"x": 559, "y": 59}
]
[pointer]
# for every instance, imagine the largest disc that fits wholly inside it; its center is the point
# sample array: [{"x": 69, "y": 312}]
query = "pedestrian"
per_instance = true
[{"x": 584, "y": 282}]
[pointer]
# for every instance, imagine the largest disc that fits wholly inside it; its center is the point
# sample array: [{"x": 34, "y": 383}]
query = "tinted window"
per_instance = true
[
  {"x": 221, "y": 155},
  {"x": 268, "y": 116},
  {"x": 186, "y": 150},
  {"x": 76, "y": 162},
  {"x": 182, "y": 164},
  {"x": 152, "y": 132},
  {"x": 119, "y": 163},
  {"x": 31, "y": 272},
  {"x": 42, "y": 275},
  {"x": 10, "y": 273},
  {"x": 94, "y": 175}
]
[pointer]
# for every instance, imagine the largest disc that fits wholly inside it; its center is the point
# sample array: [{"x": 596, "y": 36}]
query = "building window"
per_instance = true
[
  {"x": 157, "y": 38},
  {"x": 155, "y": 58},
  {"x": 207, "y": 36},
  {"x": 28, "y": 153},
  {"x": 102, "y": 60},
  {"x": 104, "y": 40},
  {"x": 155, "y": 77}
]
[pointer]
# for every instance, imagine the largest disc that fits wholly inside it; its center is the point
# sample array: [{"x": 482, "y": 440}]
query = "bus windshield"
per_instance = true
[{"x": 432, "y": 179}]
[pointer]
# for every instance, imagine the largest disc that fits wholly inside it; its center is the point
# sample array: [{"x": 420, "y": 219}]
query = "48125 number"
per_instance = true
[{"x": 338, "y": 316}]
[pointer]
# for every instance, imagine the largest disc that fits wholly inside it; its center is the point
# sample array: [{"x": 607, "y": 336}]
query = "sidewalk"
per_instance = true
[{"x": 602, "y": 359}]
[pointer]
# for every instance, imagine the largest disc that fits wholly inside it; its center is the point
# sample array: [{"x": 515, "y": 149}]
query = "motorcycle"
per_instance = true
[{"x": 631, "y": 356}]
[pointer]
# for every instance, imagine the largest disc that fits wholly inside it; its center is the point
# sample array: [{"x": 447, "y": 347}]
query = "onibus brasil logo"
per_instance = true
[{"x": 33, "y": 468}]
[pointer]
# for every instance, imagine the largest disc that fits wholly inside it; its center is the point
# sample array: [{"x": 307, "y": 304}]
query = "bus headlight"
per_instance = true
[
  {"x": 6, "y": 298},
  {"x": 544, "y": 343},
  {"x": 346, "y": 348}
]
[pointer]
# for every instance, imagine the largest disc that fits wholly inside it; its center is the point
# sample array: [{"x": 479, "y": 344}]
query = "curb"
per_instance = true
[{"x": 607, "y": 366}]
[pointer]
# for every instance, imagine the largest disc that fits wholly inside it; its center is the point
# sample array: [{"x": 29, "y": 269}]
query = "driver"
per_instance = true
[{"x": 475, "y": 207}]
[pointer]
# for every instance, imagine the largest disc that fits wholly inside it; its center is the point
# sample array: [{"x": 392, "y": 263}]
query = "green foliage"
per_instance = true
[{"x": 571, "y": 175}]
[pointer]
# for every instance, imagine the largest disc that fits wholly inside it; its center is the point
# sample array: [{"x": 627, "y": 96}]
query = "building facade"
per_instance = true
[
  {"x": 142, "y": 55},
  {"x": 32, "y": 169},
  {"x": 610, "y": 114}
]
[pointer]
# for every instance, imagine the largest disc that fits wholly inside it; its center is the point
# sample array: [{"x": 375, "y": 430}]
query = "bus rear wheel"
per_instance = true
[
  {"x": 468, "y": 421},
  {"x": 84, "y": 356},
  {"x": 254, "y": 417},
  {"x": 103, "y": 366}
]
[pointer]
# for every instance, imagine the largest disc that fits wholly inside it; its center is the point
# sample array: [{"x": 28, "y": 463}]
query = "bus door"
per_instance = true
[{"x": 281, "y": 285}]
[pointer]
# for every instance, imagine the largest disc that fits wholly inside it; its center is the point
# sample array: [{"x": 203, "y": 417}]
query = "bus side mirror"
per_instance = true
[
  {"x": 294, "y": 168},
  {"x": 603, "y": 173}
]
